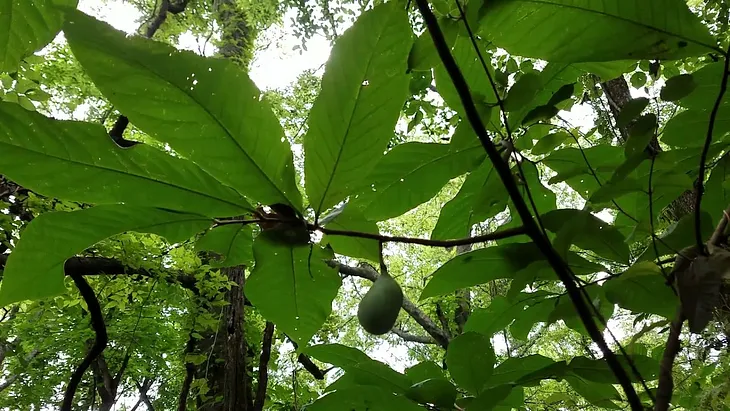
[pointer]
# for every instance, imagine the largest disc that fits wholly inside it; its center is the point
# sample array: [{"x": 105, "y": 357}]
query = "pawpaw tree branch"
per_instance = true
[
  {"x": 406, "y": 336},
  {"x": 416, "y": 313},
  {"x": 531, "y": 227},
  {"x": 100, "y": 341}
]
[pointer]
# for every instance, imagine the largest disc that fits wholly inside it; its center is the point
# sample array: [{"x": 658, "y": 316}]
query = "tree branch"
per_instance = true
[
  {"x": 497, "y": 235},
  {"x": 532, "y": 229},
  {"x": 705, "y": 150},
  {"x": 189, "y": 374},
  {"x": 423, "y": 339},
  {"x": 100, "y": 341},
  {"x": 264, "y": 367},
  {"x": 416, "y": 313}
]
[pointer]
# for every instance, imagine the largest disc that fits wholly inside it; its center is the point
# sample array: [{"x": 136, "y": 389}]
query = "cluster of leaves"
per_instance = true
[{"x": 228, "y": 157}]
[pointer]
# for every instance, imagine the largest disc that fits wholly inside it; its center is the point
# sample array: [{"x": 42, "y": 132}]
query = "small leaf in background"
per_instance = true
[
  {"x": 638, "y": 79},
  {"x": 565, "y": 92},
  {"x": 596, "y": 235},
  {"x": 352, "y": 220},
  {"x": 436, "y": 391},
  {"x": 640, "y": 134},
  {"x": 631, "y": 110},
  {"x": 480, "y": 266},
  {"x": 470, "y": 360},
  {"x": 230, "y": 245},
  {"x": 59, "y": 236},
  {"x": 540, "y": 113},
  {"x": 550, "y": 141},
  {"x": 291, "y": 288},
  {"x": 642, "y": 288},
  {"x": 522, "y": 92},
  {"x": 678, "y": 87},
  {"x": 363, "y": 90},
  {"x": 365, "y": 370}
]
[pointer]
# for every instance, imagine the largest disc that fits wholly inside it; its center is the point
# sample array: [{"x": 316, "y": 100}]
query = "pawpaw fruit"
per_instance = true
[{"x": 380, "y": 306}]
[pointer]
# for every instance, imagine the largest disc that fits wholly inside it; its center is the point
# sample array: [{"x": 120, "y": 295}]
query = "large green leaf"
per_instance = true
[
  {"x": 206, "y": 109},
  {"x": 689, "y": 128},
  {"x": 642, "y": 289},
  {"x": 35, "y": 268},
  {"x": 363, "y": 90},
  {"x": 600, "y": 395},
  {"x": 363, "y": 398},
  {"x": 349, "y": 219},
  {"x": 593, "y": 234},
  {"x": 552, "y": 78},
  {"x": 717, "y": 192},
  {"x": 708, "y": 80},
  {"x": 565, "y": 310},
  {"x": 27, "y": 26},
  {"x": 365, "y": 370},
  {"x": 411, "y": 174},
  {"x": 576, "y": 167},
  {"x": 681, "y": 234},
  {"x": 230, "y": 244},
  {"x": 495, "y": 317},
  {"x": 512, "y": 370},
  {"x": 480, "y": 266},
  {"x": 480, "y": 197},
  {"x": 592, "y": 31},
  {"x": 473, "y": 72},
  {"x": 598, "y": 370},
  {"x": 536, "y": 313},
  {"x": 79, "y": 162},
  {"x": 470, "y": 359},
  {"x": 292, "y": 287},
  {"x": 424, "y": 371},
  {"x": 490, "y": 398}
]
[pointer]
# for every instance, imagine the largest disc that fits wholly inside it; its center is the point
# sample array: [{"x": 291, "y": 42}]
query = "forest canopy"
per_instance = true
[{"x": 335, "y": 205}]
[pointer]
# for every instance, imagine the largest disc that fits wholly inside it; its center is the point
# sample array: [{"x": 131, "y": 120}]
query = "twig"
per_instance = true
[
  {"x": 706, "y": 149},
  {"x": 497, "y": 235},
  {"x": 406, "y": 336},
  {"x": 264, "y": 367},
  {"x": 533, "y": 230},
  {"x": 666, "y": 382},
  {"x": 100, "y": 340}
]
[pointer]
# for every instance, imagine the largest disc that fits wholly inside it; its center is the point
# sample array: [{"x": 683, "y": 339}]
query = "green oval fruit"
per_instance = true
[{"x": 379, "y": 308}]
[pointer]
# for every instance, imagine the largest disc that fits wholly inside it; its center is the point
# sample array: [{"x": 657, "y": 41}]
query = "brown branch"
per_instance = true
[
  {"x": 406, "y": 336},
  {"x": 531, "y": 227},
  {"x": 143, "y": 388},
  {"x": 307, "y": 363},
  {"x": 100, "y": 340},
  {"x": 189, "y": 374},
  {"x": 497, "y": 235},
  {"x": 264, "y": 367},
  {"x": 666, "y": 381},
  {"x": 705, "y": 150},
  {"x": 408, "y": 306}
]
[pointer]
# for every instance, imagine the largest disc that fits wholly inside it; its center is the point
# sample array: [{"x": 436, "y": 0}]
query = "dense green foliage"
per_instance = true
[{"x": 529, "y": 216}]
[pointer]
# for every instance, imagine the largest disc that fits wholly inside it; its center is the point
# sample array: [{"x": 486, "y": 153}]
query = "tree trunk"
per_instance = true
[{"x": 226, "y": 370}]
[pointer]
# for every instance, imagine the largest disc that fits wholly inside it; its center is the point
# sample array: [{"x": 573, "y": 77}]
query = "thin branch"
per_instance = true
[
  {"x": 706, "y": 149},
  {"x": 533, "y": 230},
  {"x": 100, "y": 341},
  {"x": 307, "y": 363},
  {"x": 12, "y": 378},
  {"x": 408, "y": 306},
  {"x": 406, "y": 336},
  {"x": 189, "y": 374},
  {"x": 666, "y": 382},
  {"x": 264, "y": 367},
  {"x": 497, "y": 235}
]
